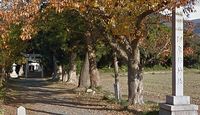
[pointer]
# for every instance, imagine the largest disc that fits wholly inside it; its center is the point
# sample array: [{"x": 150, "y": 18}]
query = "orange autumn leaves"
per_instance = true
[{"x": 121, "y": 14}]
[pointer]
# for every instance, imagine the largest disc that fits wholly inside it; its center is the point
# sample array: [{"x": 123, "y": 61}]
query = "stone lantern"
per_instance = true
[{"x": 14, "y": 73}]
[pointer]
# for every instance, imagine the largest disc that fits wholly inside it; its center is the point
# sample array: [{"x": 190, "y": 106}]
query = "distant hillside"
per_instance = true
[
  {"x": 197, "y": 26},
  {"x": 197, "y": 21}
]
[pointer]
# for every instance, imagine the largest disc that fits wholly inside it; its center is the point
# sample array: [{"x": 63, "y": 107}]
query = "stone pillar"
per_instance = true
[{"x": 177, "y": 104}]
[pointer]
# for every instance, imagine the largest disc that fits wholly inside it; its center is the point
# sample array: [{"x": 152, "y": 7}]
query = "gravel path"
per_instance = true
[{"x": 41, "y": 97}]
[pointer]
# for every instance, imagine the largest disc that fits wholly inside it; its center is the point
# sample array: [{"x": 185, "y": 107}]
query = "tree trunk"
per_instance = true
[
  {"x": 59, "y": 72},
  {"x": 94, "y": 73},
  {"x": 3, "y": 76},
  {"x": 65, "y": 76},
  {"x": 116, "y": 70},
  {"x": 54, "y": 75},
  {"x": 72, "y": 78},
  {"x": 135, "y": 84},
  {"x": 84, "y": 76}
]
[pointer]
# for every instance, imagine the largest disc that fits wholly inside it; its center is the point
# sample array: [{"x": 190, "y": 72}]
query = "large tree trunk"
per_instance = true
[
  {"x": 84, "y": 76},
  {"x": 94, "y": 73},
  {"x": 72, "y": 78},
  {"x": 135, "y": 84}
]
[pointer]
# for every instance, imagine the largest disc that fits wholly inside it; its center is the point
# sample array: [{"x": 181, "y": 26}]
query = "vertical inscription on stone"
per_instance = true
[{"x": 177, "y": 43}]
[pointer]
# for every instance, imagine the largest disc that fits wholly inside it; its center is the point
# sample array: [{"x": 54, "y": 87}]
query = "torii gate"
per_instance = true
[
  {"x": 33, "y": 62},
  {"x": 177, "y": 104}
]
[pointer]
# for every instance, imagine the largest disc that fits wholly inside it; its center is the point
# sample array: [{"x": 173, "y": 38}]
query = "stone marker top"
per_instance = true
[{"x": 21, "y": 110}]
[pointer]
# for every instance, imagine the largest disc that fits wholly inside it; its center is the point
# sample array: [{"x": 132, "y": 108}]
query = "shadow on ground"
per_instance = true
[{"x": 34, "y": 91}]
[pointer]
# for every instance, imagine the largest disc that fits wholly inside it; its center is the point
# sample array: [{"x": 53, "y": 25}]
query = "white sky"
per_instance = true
[
  {"x": 196, "y": 14},
  {"x": 192, "y": 16}
]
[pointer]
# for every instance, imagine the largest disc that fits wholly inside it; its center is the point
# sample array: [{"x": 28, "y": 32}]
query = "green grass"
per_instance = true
[
  {"x": 124, "y": 69},
  {"x": 157, "y": 68},
  {"x": 106, "y": 70},
  {"x": 1, "y": 112},
  {"x": 2, "y": 93}
]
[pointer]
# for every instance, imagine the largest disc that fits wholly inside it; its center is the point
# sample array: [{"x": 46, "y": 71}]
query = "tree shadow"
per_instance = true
[
  {"x": 152, "y": 113},
  {"x": 32, "y": 91}
]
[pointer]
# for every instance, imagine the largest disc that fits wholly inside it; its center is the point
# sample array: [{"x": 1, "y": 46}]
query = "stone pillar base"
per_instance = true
[{"x": 186, "y": 109}]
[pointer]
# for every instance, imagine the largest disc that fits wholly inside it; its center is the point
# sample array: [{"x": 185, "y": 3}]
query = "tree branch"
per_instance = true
[
  {"x": 159, "y": 52},
  {"x": 148, "y": 12},
  {"x": 116, "y": 46}
]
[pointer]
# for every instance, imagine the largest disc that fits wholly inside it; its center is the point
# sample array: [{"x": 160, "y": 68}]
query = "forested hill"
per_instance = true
[{"x": 197, "y": 26}]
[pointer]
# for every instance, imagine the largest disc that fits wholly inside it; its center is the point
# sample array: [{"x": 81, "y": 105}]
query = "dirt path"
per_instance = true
[{"x": 41, "y": 97}]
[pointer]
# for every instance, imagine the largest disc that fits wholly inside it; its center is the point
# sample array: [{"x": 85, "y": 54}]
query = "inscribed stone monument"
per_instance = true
[{"x": 177, "y": 104}]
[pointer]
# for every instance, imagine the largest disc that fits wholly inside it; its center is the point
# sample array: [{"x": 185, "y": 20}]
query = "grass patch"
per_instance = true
[
  {"x": 2, "y": 93},
  {"x": 2, "y": 98},
  {"x": 98, "y": 89},
  {"x": 151, "y": 108},
  {"x": 124, "y": 68},
  {"x": 109, "y": 97},
  {"x": 106, "y": 70},
  {"x": 157, "y": 68},
  {"x": 151, "y": 113},
  {"x": 1, "y": 112}
]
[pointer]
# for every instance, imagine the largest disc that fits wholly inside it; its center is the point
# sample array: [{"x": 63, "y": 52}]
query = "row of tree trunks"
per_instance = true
[{"x": 89, "y": 76}]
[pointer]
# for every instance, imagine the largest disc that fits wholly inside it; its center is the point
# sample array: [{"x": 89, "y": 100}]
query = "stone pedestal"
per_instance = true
[
  {"x": 178, "y": 105},
  {"x": 189, "y": 109}
]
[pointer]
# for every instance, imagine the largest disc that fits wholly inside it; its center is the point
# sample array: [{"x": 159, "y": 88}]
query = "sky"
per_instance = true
[
  {"x": 196, "y": 14},
  {"x": 192, "y": 16}
]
